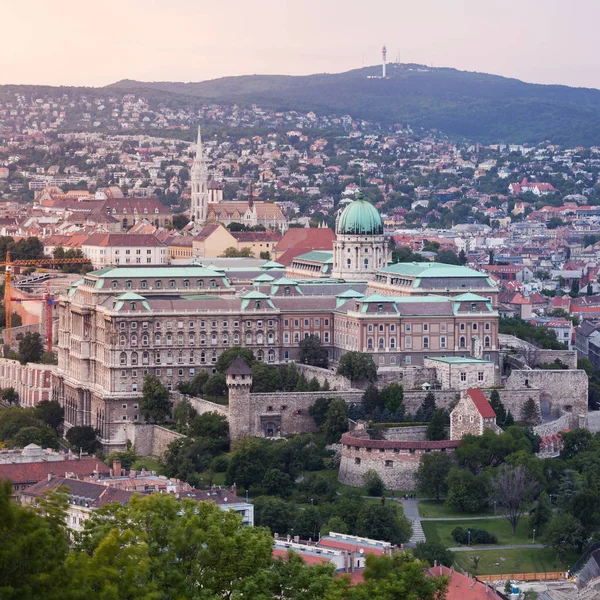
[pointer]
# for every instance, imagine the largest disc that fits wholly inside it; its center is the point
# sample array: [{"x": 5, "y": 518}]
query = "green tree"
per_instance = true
[
  {"x": 383, "y": 523},
  {"x": 512, "y": 489},
  {"x": 265, "y": 378},
  {"x": 372, "y": 400},
  {"x": 84, "y": 438},
  {"x": 431, "y": 476},
  {"x": 334, "y": 525},
  {"x": 313, "y": 385},
  {"x": 427, "y": 409},
  {"x": 30, "y": 348},
  {"x": 499, "y": 409},
  {"x": 226, "y": 358},
  {"x": 575, "y": 442},
  {"x": 308, "y": 524},
  {"x": 530, "y": 413},
  {"x": 42, "y": 436},
  {"x": 216, "y": 386},
  {"x": 10, "y": 395},
  {"x": 51, "y": 413},
  {"x": 357, "y": 366},
  {"x": 31, "y": 564},
  {"x": 313, "y": 353},
  {"x": 183, "y": 414},
  {"x": 541, "y": 512},
  {"x": 276, "y": 482},
  {"x": 231, "y": 252},
  {"x": 447, "y": 257},
  {"x": 436, "y": 430},
  {"x": 248, "y": 463},
  {"x": 180, "y": 221},
  {"x": 563, "y": 533},
  {"x": 466, "y": 491},
  {"x": 373, "y": 483},
  {"x": 392, "y": 397},
  {"x": 195, "y": 385},
  {"x": 318, "y": 411},
  {"x": 574, "y": 293},
  {"x": 276, "y": 514},
  {"x": 155, "y": 404},
  {"x": 213, "y": 429},
  {"x": 291, "y": 377},
  {"x": 336, "y": 421},
  {"x": 434, "y": 553}
]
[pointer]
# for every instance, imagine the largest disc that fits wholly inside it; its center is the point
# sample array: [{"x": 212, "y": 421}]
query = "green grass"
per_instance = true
[
  {"x": 433, "y": 509},
  {"x": 151, "y": 464},
  {"x": 518, "y": 560},
  {"x": 440, "y": 530}
]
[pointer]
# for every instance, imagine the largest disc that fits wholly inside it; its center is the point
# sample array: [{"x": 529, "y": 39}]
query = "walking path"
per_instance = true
[
  {"x": 411, "y": 512},
  {"x": 465, "y": 518},
  {"x": 508, "y": 547}
]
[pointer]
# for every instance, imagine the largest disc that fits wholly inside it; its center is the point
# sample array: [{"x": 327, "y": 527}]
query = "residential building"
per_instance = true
[{"x": 104, "y": 249}]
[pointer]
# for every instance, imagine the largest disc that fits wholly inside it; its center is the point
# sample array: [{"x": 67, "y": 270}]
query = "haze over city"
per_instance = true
[{"x": 74, "y": 43}]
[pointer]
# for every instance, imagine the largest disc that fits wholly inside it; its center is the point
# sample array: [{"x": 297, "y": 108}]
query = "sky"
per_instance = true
[{"x": 75, "y": 42}]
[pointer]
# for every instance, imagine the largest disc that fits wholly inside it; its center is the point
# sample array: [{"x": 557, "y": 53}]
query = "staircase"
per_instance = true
[{"x": 418, "y": 533}]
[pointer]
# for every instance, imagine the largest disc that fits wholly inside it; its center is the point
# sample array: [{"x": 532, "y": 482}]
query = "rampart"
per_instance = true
[
  {"x": 149, "y": 440},
  {"x": 32, "y": 382},
  {"x": 396, "y": 462},
  {"x": 336, "y": 382}
]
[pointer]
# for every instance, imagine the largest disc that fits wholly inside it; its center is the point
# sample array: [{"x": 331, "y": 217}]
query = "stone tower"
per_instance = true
[
  {"x": 199, "y": 177},
  {"x": 360, "y": 249},
  {"x": 239, "y": 384}
]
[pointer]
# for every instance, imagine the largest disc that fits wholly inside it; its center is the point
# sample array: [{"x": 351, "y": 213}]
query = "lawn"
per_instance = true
[
  {"x": 433, "y": 509},
  {"x": 151, "y": 464},
  {"x": 440, "y": 530},
  {"x": 518, "y": 560}
]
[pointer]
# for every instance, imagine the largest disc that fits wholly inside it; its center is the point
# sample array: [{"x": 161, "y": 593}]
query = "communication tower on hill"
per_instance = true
[{"x": 384, "y": 56}]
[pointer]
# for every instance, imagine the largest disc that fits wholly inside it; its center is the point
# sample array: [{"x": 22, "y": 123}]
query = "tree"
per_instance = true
[
  {"x": 466, "y": 491},
  {"x": 436, "y": 430},
  {"x": 313, "y": 353},
  {"x": 183, "y": 414},
  {"x": 226, "y": 358},
  {"x": 336, "y": 421},
  {"x": 512, "y": 488},
  {"x": 499, "y": 409},
  {"x": 10, "y": 395},
  {"x": 216, "y": 386},
  {"x": 357, "y": 366},
  {"x": 31, "y": 564},
  {"x": 434, "y": 553},
  {"x": 308, "y": 524},
  {"x": 380, "y": 522},
  {"x": 427, "y": 408},
  {"x": 530, "y": 413},
  {"x": 335, "y": 524},
  {"x": 180, "y": 221},
  {"x": 462, "y": 257},
  {"x": 276, "y": 514},
  {"x": 447, "y": 257},
  {"x": 248, "y": 463},
  {"x": 84, "y": 438},
  {"x": 30, "y": 348},
  {"x": 554, "y": 222},
  {"x": 541, "y": 512},
  {"x": 392, "y": 397},
  {"x": 373, "y": 483},
  {"x": 265, "y": 378},
  {"x": 213, "y": 429},
  {"x": 291, "y": 377},
  {"x": 42, "y": 436},
  {"x": 195, "y": 385},
  {"x": 155, "y": 404},
  {"x": 431, "y": 476},
  {"x": 563, "y": 533},
  {"x": 318, "y": 411},
  {"x": 371, "y": 400},
  {"x": 51, "y": 413},
  {"x": 276, "y": 482},
  {"x": 576, "y": 441},
  {"x": 231, "y": 252},
  {"x": 574, "y": 293}
]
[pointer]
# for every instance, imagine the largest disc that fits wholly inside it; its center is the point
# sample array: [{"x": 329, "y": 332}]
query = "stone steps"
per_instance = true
[{"x": 418, "y": 533}]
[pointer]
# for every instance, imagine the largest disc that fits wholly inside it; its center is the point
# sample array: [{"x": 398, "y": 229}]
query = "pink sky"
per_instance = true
[{"x": 95, "y": 43}]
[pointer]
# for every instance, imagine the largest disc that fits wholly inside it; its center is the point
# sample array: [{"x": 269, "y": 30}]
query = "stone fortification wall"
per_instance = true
[
  {"x": 443, "y": 399},
  {"x": 567, "y": 357},
  {"x": 560, "y": 391},
  {"x": 336, "y": 382},
  {"x": 405, "y": 434},
  {"x": 593, "y": 421},
  {"x": 149, "y": 440},
  {"x": 203, "y": 406},
  {"x": 395, "y": 461},
  {"x": 278, "y": 414},
  {"x": 412, "y": 377},
  {"x": 554, "y": 427}
]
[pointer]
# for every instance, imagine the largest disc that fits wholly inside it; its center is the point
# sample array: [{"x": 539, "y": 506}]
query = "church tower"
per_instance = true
[{"x": 199, "y": 204}]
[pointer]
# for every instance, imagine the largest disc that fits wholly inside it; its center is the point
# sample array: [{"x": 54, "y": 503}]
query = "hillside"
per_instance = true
[{"x": 478, "y": 106}]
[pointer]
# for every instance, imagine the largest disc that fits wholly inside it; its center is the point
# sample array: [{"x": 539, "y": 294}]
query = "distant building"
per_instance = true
[
  {"x": 472, "y": 415},
  {"x": 105, "y": 249}
]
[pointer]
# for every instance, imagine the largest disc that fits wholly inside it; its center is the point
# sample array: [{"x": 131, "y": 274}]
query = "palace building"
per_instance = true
[{"x": 120, "y": 323}]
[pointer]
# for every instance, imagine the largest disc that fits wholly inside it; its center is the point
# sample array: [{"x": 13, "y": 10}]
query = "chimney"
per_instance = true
[
  {"x": 234, "y": 489},
  {"x": 117, "y": 468},
  {"x": 50, "y": 476}
]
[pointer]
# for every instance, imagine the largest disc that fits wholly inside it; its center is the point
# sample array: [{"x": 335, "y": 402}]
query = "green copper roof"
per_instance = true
[
  {"x": 255, "y": 294},
  {"x": 360, "y": 218},
  {"x": 272, "y": 264},
  {"x": 263, "y": 277},
  {"x": 159, "y": 271},
  {"x": 459, "y": 360},
  {"x": 130, "y": 296},
  {"x": 349, "y": 294},
  {"x": 318, "y": 256},
  {"x": 470, "y": 297},
  {"x": 285, "y": 281},
  {"x": 432, "y": 270}
]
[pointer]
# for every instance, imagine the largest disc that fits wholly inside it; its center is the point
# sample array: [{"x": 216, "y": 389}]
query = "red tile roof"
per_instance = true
[
  {"x": 461, "y": 587},
  {"x": 307, "y": 239},
  {"x": 481, "y": 403},
  {"x": 28, "y": 473}
]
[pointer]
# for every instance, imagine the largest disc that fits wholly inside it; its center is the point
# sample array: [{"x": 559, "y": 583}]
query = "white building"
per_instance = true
[{"x": 105, "y": 249}]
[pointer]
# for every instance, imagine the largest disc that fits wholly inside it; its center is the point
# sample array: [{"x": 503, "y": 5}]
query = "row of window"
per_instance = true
[
  {"x": 462, "y": 342},
  {"x": 158, "y": 283},
  {"x": 408, "y": 327},
  {"x": 316, "y": 322},
  {"x": 134, "y": 358},
  {"x": 214, "y": 339},
  {"x": 191, "y": 324}
]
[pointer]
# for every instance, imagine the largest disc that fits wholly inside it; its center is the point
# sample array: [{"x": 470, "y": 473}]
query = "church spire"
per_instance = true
[{"x": 199, "y": 203}]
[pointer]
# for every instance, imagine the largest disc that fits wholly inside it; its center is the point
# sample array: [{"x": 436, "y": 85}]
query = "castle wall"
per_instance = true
[
  {"x": 405, "y": 434},
  {"x": 409, "y": 377},
  {"x": 203, "y": 406},
  {"x": 33, "y": 382},
  {"x": 567, "y": 357},
  {"x": 149, "y": 440},
  {"x": 336, "y": 382}
]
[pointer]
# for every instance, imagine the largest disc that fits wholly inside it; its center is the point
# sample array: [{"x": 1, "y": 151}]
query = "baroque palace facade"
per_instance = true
[{"x": 118, "y": 324}]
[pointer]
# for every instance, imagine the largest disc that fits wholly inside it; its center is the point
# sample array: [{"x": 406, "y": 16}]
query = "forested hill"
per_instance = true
[{"x": 477, "y": 106}]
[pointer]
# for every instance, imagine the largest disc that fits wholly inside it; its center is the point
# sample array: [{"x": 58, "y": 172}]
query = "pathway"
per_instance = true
[
  {"x": 494, "y": 547},
  {"x": 411, "y": 512},
  {"x": 465, "y": 518}
]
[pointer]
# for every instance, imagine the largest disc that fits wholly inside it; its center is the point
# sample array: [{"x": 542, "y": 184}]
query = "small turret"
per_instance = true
[{"x": 239, "y": 384}]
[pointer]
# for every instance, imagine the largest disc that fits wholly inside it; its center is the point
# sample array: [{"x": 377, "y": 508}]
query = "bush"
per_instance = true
[
  {"x": 478, "y": 536},
  {"x": 219, "y": 464},
  {"x": 373, "y": 483}
]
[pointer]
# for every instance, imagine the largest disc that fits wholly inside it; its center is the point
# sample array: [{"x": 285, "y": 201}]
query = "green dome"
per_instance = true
[{"x": 360, "y": 218}]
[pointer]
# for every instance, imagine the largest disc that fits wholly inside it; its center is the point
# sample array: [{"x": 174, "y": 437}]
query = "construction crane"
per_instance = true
[{"x": 46, "y": 298}]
